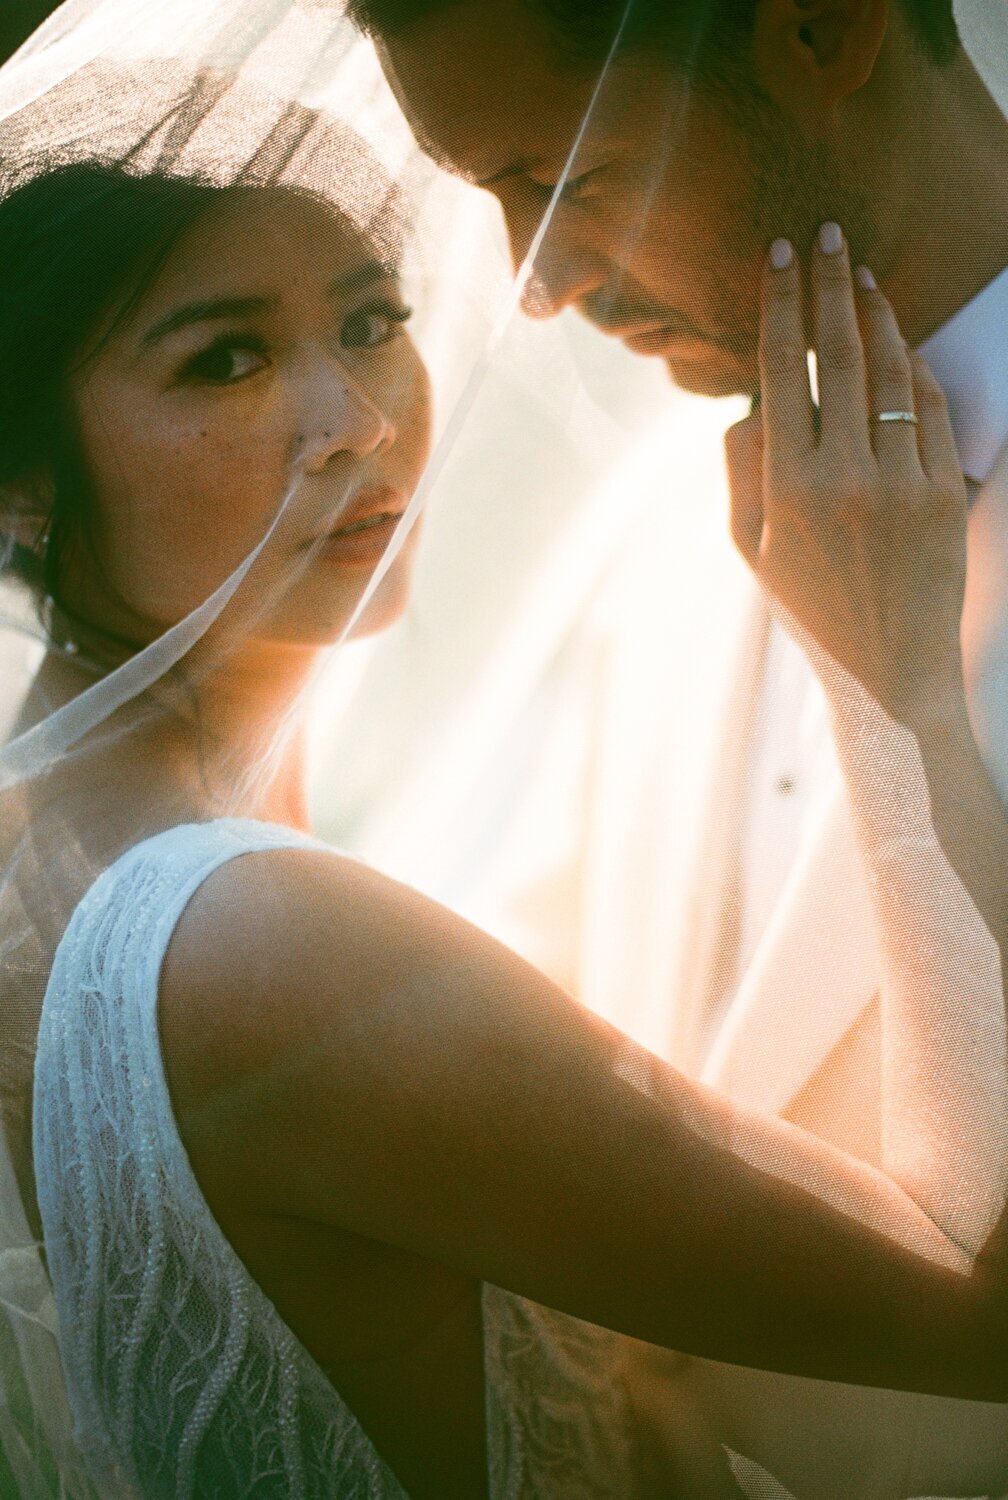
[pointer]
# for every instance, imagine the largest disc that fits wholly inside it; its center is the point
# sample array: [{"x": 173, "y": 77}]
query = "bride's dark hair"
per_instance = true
[
  {"x": 18, "y": 19},
  {"x": 78, "y": 246}
]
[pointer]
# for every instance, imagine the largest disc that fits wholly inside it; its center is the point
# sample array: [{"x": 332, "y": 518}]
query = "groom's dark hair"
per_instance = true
[{"x": 702, "y": 34}]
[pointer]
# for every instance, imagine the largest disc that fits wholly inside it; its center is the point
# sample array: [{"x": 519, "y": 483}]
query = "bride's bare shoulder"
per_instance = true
[
  {"x": 343, "y": 1051},
  {"x": 281, "y": 940},
  {"x": 276, "y": 952},
  {"x": 303, "y": 994}
]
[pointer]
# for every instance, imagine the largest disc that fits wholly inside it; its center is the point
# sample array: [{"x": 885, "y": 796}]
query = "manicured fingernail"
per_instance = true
[
  {"x": 865, "y": 279},
  {"x": 830, "y": 239},
  {"x": 781, "y": 254}
]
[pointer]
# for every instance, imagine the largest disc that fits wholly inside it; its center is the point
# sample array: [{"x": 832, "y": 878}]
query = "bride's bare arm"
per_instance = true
[
  {"x": 361, "y": 1057},
  {"x": 856, "y": 528}
]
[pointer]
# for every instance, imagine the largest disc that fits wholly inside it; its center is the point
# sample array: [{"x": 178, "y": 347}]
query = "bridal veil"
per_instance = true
[{"x": 240, "y": 96}]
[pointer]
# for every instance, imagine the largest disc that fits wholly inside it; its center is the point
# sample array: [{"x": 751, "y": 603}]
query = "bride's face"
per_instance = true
[{"x": 271, "y": 343}]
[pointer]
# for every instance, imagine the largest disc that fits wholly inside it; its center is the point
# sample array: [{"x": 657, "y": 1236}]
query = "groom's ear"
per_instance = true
[{"x": 809, "y": 55}]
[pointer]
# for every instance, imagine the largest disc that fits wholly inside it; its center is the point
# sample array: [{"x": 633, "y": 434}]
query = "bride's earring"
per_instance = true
[{"x": 56, "y": 626}]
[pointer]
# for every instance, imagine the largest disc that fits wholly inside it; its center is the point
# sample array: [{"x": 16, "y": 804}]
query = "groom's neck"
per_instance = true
[{"x": 953, "y": 228}]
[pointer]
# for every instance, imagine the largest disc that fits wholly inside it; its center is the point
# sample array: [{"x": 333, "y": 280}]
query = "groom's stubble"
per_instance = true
[{"x": 790, "y": 186}]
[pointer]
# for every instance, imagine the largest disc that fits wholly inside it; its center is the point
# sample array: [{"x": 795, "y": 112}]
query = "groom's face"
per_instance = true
[{"x": 672, "y": 199}]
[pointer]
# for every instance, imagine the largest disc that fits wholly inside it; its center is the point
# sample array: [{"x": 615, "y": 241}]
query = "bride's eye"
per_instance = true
[
  {"x": 374, "y": 324},
  {"x": 230, "y": 358}
]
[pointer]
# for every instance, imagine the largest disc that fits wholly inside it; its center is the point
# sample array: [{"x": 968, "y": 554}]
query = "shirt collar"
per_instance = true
[{"x": 969, "y": 358}]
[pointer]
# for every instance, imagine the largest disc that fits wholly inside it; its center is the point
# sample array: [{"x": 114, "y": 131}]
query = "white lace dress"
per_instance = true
[{"x": 183, "y": 1379}]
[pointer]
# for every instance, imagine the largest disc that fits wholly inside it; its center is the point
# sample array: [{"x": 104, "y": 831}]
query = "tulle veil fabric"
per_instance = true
[{"x": 255, "y": 94}]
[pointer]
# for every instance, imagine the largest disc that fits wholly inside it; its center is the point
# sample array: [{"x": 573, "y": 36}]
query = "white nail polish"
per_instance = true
[
  {"x": 781, "y": 254},
  {"x": 830, "y": 239},
  {"x": 864, "y": 278}
]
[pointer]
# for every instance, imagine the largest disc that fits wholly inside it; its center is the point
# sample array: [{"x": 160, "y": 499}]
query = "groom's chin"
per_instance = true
[{"x": 713, "y": 373}]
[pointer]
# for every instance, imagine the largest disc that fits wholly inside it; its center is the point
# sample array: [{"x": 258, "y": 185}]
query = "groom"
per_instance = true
[{"x": 717, "y": 128}]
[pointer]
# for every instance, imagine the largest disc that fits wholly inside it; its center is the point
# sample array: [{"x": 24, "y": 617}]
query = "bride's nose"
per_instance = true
[{"x": 343, "y": 419}]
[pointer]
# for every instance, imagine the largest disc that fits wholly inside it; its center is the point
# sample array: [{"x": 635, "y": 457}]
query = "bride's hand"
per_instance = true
[{"x": 857, "y": 527}]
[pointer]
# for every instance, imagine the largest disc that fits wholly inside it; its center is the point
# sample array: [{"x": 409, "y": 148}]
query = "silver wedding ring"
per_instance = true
[{"x": 896, "y": 416}]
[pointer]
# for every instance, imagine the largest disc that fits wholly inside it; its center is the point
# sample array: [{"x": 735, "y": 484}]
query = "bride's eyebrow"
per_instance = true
[
  {"x": 361, "y": 277},
  {"x": 217, "y": 308},
  {"x": 207, "y": 312}
]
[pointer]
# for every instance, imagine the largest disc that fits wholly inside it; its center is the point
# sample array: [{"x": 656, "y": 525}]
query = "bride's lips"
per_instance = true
[{"x": 364, "y": 528}]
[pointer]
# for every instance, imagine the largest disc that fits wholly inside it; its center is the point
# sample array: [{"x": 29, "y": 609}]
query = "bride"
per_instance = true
[{"x": 339, "y": 1197}]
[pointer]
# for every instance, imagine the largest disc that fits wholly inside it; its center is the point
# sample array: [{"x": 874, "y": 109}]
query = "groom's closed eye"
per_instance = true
[
  {"x": 523, "y": 167},
  {"x": 574, "y": 188}
]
